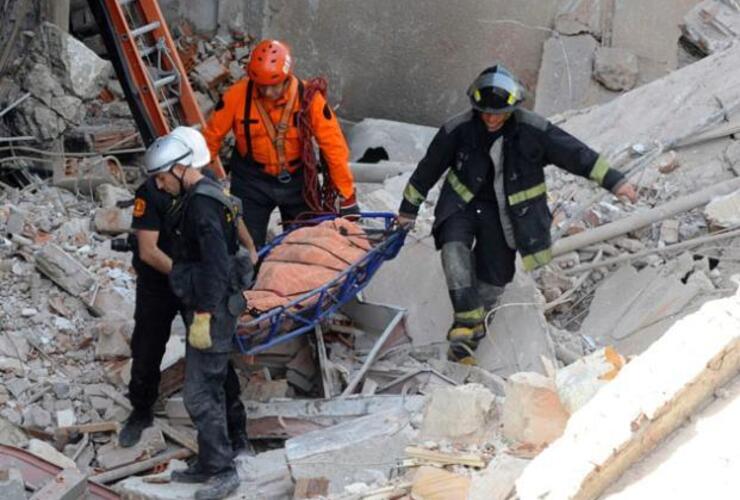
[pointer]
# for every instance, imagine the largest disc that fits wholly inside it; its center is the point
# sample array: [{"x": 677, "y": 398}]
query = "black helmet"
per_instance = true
[{"x": 495, "y": 90}]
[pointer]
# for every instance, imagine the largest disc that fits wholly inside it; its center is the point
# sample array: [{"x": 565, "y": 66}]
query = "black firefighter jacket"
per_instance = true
[{"x": 528, "y": 143}]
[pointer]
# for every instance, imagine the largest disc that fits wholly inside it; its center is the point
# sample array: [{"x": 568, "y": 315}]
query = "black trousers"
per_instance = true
[
  {"x": 261, "y": 193},
  {"x": 205, "y": 396},
  {"x": 156, "y": 308},
  {"x": 211, "y": 395},
  {"x": 474, "y": 256}
]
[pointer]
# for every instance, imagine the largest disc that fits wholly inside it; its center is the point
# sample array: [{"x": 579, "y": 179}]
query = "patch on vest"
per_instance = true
[{"x": 139, "y": 207}]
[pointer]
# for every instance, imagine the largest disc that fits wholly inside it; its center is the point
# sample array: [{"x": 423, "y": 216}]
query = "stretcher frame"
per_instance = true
[{"x": 303, "y": 314}]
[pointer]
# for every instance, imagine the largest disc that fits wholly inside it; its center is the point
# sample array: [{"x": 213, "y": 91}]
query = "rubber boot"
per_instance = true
[
  {"x": 240, "y": 444},
  {"x": 134, "y": 426},
  {"x": 192, "y": 475},
  {"x": 464, "y": 340},
  {"x": 219, "y": 486}
]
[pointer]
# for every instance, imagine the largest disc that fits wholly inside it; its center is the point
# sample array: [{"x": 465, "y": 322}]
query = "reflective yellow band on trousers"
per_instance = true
[
  {"x": 527, "y": 194},
  {"x": 412, "y": 195},
  {"x": 599, "y": 170},
  {"x": 460, "y": 188},
  {"x": 475, "y": 315},
  {"x": 535, "y": 260}
]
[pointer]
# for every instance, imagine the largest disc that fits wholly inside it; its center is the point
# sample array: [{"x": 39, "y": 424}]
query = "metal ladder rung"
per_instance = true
[
  {"x": 169, "y": 102},
  {"x": 164, "y": 81},
  {"x": 147, "y": 28},
  {"x": 147, "y": 51}
]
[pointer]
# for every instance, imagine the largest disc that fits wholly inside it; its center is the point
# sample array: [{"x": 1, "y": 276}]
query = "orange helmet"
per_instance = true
[{"x": 270, "y": 63}]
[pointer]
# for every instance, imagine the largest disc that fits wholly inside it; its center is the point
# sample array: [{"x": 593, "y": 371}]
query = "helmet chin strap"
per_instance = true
[{"x": 180, "y": 179}]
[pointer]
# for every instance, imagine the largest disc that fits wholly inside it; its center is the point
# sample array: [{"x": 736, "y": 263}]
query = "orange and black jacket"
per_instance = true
[{"x": 230, "y": 115}]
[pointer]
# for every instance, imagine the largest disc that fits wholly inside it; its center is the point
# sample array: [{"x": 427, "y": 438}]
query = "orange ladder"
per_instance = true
[{"x": 149, "y": 68}]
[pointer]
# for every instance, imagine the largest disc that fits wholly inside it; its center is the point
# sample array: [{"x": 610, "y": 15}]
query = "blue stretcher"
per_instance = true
[{"x": 304, "y": 313}]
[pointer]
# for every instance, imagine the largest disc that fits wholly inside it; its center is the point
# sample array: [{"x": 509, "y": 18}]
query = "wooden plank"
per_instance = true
[
  {"x": 440, "y": 458},
  {"x": 311, "y": 488},
  {"x": 649, "y": 399},
  {"x": 431, "y": 483},
  {"x": 144, "y": 465},
  {"x": 177, "y": 436}
]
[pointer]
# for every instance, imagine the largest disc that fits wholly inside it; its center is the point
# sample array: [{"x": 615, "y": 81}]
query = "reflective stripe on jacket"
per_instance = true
[{"x": 530, "y": 142}]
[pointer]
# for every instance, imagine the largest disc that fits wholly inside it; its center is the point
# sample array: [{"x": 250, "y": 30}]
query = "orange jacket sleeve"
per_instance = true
[
  {"x": 223, "y": 117},
  {"x": 332, "y": 144}
]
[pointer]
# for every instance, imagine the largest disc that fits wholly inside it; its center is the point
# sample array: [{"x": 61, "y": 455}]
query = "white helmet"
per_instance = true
[{"x": 184, "y": 146}]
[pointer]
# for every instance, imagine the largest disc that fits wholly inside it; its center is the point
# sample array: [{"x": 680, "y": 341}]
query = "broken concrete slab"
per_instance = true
[
  {"x": 109, "y": 195},
  {"x": 651, "y": 32},
  {"x": 712, "y": 25},
  {"x": 66, "y": 271},
  {"x": 578, "y": 382},
  {"x": 724, "y": 211},
  {"x": 518, "y": 337},
  {"x": 266, "y": 475},
  {"x": 496, "y": 481},
  {"x": 462, "y": 415},
  {"x": 651, "y": 397},
  {"x": 113, "y": 221},
  {"x": 432, "y": 483},
  {"x": 289, "y": 418},
  {"x": 532, "y": 416},
  {"x": 11, "y": 435},
  {"x": 362, "y": 450},
  {"x": 615, "y": 68},
  {"x": 415, "y": 281},
  {"x": 111, "y": 455},
  {"x": 402, "y": 142},
  {"x": 632, "y": 309},
  {"x": 69, "y": 484},
  {"x": 576, "y": 17},
  {"x": 44, "y": 450},
  {"x": 113, "y": 337},
  {"x": 565, "y": 81},
  {"x": 12, "y": 486},
  {"x": 36, "y": 417},
  {"x": 210, "y": 73},
  {"x": 80, "y": 70}
]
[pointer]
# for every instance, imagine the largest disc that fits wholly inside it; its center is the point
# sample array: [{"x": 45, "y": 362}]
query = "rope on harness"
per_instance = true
[{"x": 318, "y": 190}]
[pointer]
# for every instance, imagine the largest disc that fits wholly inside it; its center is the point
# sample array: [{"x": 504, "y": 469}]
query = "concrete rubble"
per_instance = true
[
  {"x": 712, "y": 25},
  {"x": 579, "y": 357}
]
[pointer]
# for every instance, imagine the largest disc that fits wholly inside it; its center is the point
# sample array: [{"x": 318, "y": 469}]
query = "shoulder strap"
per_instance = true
[
  {"x": 214, "y": 191},
  {"x": 248, "y": 116}
]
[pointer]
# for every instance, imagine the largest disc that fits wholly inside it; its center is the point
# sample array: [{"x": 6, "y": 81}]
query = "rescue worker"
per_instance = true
[
  {"x": 156, "y": 305},
  {"x": 208, "y": 274},
  {"x": 494, "y": 200},
  {"x": 264, "y": 111}
]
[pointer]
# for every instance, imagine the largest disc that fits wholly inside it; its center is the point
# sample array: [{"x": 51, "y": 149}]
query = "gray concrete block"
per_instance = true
[
  {"x": 565, "y": 80},
  {"x": 11, "y": 484},
  {"x": 415, "y": 281},
  {"x": 518, "y": 337},
  {"x": 70, "y": 484},
  {"x": 633, "y": 309},
  {"x": 650, "y": 30},
  {"x": 362, "y": 450}
]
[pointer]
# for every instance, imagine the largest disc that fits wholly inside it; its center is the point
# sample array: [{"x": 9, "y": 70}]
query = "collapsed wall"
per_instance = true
[{"x": 409, "y": 61}]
